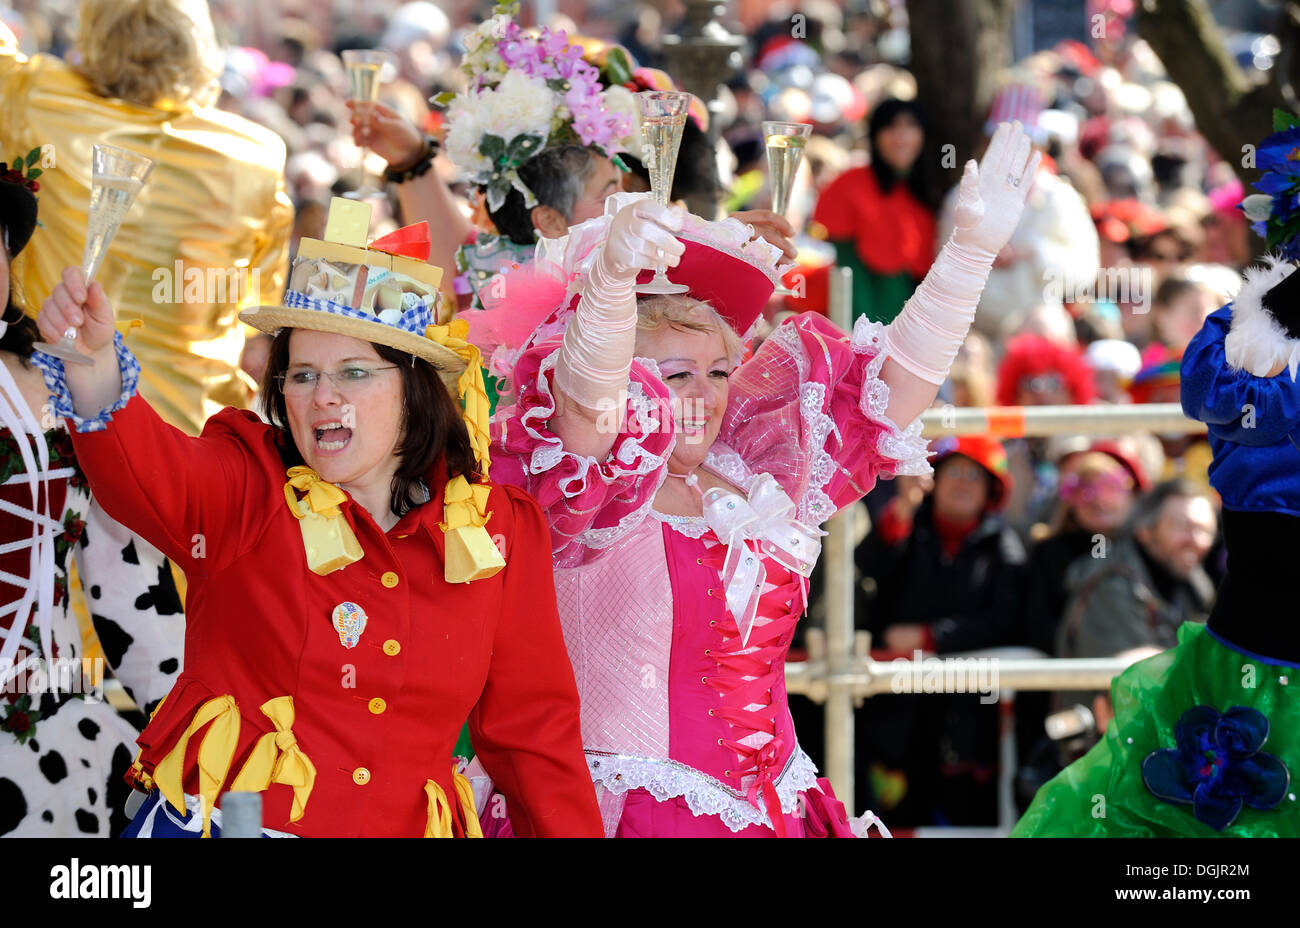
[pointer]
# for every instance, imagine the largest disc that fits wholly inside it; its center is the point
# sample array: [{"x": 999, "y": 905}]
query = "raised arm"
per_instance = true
[
  {"x": 425, "y": 197},
  {"x": 924, "y": 339},
  {"x": 184, "y": 495},
  {"x": 591, "y": 373}
]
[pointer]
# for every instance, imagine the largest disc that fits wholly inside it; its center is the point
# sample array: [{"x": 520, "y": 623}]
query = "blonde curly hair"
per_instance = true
[
  {"x": 149, "y": 52},
  {"x": 688, "y": 314}
]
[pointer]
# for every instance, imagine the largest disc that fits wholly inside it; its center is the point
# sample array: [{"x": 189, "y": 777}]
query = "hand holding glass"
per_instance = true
[
  {"x": 663, "y": 118},
  {"x": 785, "y": 143},
  {"x": 117, "y": 177},
  {"x": 364, "y": 67}
]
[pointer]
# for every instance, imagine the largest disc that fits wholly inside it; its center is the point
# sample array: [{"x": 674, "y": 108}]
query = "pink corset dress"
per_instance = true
[{"x": 687, "y": 733}]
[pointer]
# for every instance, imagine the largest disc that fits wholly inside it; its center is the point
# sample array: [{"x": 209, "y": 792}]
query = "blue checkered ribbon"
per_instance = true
[
  {"x": 56, "y": 382},
  {"x": 414, "y": 320}
]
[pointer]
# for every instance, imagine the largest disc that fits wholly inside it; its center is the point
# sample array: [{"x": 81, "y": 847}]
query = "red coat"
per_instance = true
[
  {"x": 377, "y": 720},
  {"x": 892, "y": 232}
]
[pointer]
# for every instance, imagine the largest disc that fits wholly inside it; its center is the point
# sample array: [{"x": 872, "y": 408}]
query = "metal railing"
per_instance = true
[{"x": 840, "y": 673}]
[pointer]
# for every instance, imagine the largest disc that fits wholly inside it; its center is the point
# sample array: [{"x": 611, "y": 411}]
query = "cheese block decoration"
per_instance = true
[
  {"x": 329, "y": 542},
  {"x": 390, "y": 276},
  {"x": 348, "y": 222}
]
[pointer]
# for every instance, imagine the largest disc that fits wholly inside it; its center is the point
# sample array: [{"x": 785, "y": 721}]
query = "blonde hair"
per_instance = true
[
  {"x": 686, "y": 314},
  {"x": 149, "y": 51}
]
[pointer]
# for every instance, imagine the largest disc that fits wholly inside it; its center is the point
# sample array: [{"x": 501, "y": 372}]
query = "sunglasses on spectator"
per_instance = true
[{"x": 1077, "y": 489}]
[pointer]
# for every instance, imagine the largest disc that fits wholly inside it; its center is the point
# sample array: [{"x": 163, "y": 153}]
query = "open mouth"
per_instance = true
[{"x": 332, "y": 436}]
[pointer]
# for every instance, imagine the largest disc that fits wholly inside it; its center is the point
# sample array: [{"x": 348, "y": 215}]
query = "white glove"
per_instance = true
[
  {"x": 927, "y": 334},
  {"x": 596, "y": 356}
]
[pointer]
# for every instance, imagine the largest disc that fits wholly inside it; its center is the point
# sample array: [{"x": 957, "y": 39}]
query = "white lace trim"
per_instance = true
[
  {"x": 633, "y": 459},
  {"x": 690, "y": 526},
  {"x": 814, "y": 505},
  {"x": 704, "y": 795},
  {"x": 729, "y": 465},
  {"x": 604, "y": 537},
  {"x": 904, "y": 446}
]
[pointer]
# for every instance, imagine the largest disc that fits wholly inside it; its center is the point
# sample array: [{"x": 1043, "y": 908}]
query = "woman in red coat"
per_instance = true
[
  {"x": 347, "y": 609},
  {"x": 878, "y": 217}
]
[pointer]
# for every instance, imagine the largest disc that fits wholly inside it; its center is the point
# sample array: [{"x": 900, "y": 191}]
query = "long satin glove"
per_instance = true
[
  {"x": 596, "y": 356},
  {"x": 927, "y": 334}
]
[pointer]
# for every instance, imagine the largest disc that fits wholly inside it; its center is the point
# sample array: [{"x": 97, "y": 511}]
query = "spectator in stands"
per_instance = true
[
  {"x": 1179, "y": 310},
  {"x": 879, "y": 217},
  {"x": 1098, "y": 486},
  {"x": 1131, "y": 602},
  {"x": 1149, "y": 582},
  {"x": 1054, "y": 245},
  {"x": 1038, "y": 372},
  {"x": 946, "y": 571}
]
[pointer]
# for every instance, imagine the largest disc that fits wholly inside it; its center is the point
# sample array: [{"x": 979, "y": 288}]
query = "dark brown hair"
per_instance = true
[{"x": 435, "y": 429}]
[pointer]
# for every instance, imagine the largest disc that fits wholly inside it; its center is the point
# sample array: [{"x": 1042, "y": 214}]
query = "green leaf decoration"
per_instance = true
[
  {"x": 34, "y": 173},
  {"x": 1282, "y": 120},
  {"x": 492, "y": 147},
  {"x": 33, "y": 156},
  {"x": 521, "y": 148},
  {"x": 618, "y": 66},
  {"x": 443, "y": 99}
]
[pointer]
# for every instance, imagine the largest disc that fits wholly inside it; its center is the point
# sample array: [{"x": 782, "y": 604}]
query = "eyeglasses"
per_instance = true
[{"x": 345, "y": 379}]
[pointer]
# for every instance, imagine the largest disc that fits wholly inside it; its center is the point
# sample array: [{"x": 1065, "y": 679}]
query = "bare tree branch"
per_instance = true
[{"x": 1229, "y": 111}]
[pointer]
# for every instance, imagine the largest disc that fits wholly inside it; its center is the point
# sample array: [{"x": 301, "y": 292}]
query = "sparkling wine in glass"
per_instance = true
[
  {"x": 785, "y": 142},
  {"x": 663, "y": 118},
  {"x": 364, "y": 68},
  {"x": 116, "y": 177}
]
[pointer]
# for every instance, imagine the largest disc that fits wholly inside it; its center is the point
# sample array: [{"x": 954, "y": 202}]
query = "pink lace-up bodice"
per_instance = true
[{"x": 672, "y": 704}]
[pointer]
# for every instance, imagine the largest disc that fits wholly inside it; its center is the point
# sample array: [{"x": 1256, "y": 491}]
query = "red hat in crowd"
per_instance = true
[
  {"x": 1032, "y": 356},
  {"x": 1122, "y": 221},
  {"x": 989, "y": 454},
  {"x": 1123, "y": 455}
]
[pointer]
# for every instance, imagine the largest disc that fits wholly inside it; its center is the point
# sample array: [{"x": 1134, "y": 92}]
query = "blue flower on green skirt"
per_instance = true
[{"x": 1218, "y": 766}]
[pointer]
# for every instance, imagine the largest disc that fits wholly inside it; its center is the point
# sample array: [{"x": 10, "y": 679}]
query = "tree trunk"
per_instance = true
[
  {"x": 1229, "y": 111},
  {"x": 959, "y": 49}
]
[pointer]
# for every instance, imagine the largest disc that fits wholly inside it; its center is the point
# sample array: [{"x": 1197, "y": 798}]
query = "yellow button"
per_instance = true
[
  {"x": 389, "y": 579},
  {"x": 361, "y": 776},
  {"x": 377, "y": 706},
  {"x": 392, "y": 648}
]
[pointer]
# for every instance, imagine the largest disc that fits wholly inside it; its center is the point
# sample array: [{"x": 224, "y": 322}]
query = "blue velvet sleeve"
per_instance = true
[{"x": 1236, "y": 405}]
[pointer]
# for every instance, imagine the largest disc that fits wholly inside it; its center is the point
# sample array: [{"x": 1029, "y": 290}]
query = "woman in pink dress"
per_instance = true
[{"x": 684, "y": 488}]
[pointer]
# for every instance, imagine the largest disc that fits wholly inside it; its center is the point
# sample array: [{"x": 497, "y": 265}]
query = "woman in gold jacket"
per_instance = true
[{"x": 209, "y": 233}]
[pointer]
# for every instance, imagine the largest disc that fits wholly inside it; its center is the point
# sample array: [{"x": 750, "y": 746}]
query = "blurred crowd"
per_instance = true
[{"x": 1074, "y": 546}]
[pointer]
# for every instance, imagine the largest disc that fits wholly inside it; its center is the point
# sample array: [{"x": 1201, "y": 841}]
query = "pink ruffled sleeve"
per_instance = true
[
  {"x": 590, "y": 504},
  {"x": 809, "y": 409}
]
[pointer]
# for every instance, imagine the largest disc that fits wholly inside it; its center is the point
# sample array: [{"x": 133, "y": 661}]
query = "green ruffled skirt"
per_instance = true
[{"x": 1105, "y": 794}]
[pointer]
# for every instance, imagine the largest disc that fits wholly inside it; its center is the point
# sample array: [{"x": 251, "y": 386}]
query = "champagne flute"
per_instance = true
[
  {"x": 116, "y": 178},
  {"x": 364, "y": 67},
  {"x": 663, "y": 118},
  {"x": 785, "y": 143}
]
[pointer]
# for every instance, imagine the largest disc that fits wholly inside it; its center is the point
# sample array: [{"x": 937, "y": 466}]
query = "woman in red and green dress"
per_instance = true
[{"x": 878, "y": 217}]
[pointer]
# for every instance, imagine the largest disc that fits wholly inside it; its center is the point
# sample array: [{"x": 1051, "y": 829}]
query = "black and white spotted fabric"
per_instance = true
[{"x": 62, "y": 763}]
